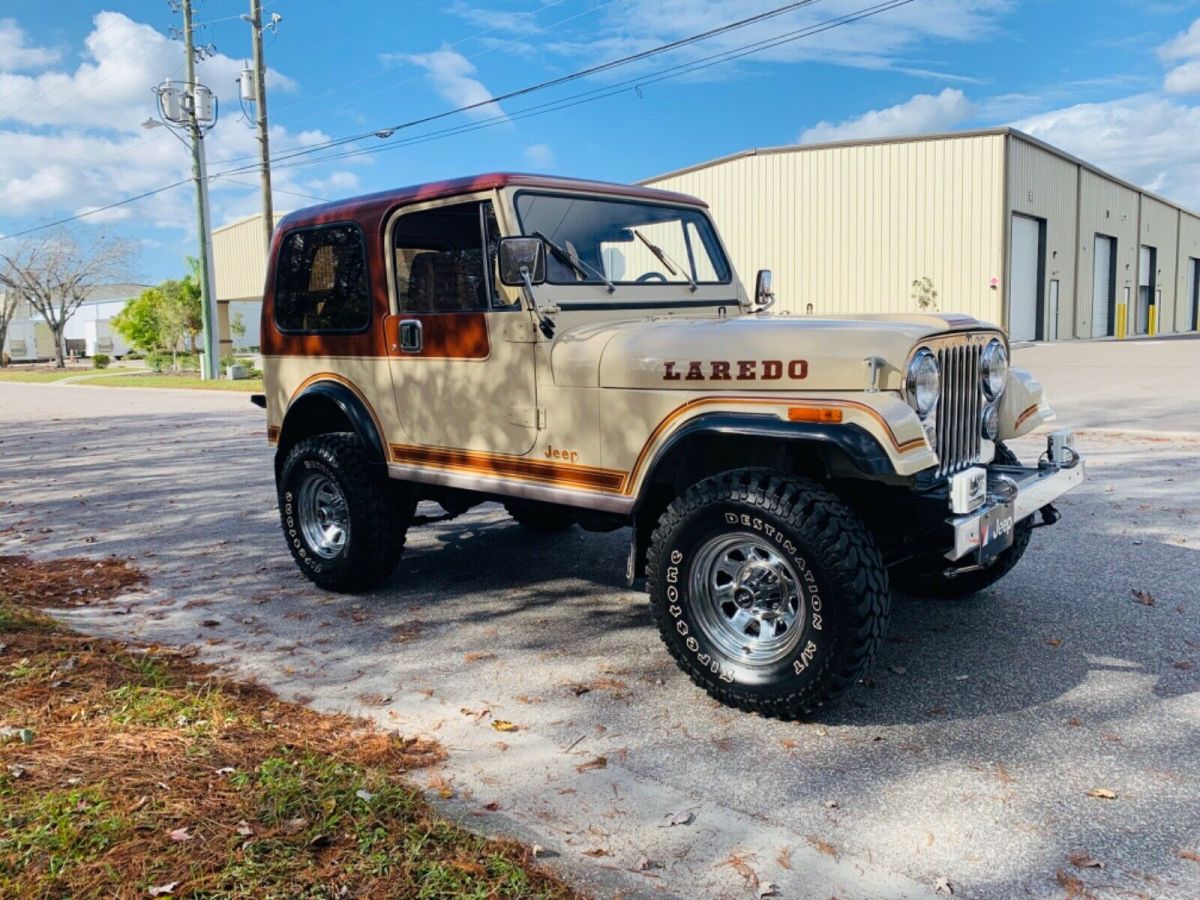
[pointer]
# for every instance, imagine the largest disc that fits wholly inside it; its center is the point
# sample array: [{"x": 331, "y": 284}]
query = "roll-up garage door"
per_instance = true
[
  {"x": 1102, "y": 286},
  {"x": 1025, "y": 278}
]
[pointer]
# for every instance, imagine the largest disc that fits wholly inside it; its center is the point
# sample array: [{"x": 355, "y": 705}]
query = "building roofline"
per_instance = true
[{"x": 1000, "y": 131}]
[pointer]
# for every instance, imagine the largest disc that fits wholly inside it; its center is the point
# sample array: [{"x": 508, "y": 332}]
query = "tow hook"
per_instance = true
[{"x": 1050, "y": 515}]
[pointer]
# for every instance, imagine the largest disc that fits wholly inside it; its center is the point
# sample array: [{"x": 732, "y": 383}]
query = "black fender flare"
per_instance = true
[
  {"x": 309, "y": 413},
  {"x": 854, "y": 443}
]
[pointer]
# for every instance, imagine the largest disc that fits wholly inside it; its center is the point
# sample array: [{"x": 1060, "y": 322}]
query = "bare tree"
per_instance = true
[
  {"x": 8, "y": 308},
  {"x": 55, "y": 273}
]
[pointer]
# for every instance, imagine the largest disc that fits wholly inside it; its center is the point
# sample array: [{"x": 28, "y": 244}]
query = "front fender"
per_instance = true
[{"x": 1023, "y": 406}]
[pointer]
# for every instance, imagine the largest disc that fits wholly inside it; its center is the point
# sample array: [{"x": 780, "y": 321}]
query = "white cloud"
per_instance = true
[
  {"x": 540, "y": 156},
  {"x": 17, "y": 54},
  {"x": 1184, "y": 79},
  {"x": 922, "y": 114},
  {"x": 452, "y": 75},
  {"x": 1185, "y": 45},
  {"x": 879, "y": 42},
  {"x": 71, "y": 138},
  {"x": 1147, "y": 139}
]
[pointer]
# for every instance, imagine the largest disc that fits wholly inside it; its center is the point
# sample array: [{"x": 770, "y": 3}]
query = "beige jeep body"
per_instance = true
[{"x": 617, "y": 377}]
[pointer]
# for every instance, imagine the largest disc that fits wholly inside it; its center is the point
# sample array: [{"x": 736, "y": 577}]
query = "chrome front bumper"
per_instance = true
[{"x": 1014, "y": 494}]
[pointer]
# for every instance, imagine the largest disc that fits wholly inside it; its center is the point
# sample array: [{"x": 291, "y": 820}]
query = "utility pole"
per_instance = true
[
  {"x": 260, "y": 115},
  {"x": 211, "y": 363}
]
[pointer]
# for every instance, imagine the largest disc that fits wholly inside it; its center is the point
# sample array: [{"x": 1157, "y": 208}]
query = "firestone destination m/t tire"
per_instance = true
[
  {"x": 929, "y": 579},
  {"x": 344, "y": 521},
  {"x": 768, "y": 591}
]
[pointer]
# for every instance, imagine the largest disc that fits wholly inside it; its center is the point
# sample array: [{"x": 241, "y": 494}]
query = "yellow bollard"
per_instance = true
[
  {"x": 1152, "y": 328},
  {"x": 1120, "y": 321}
]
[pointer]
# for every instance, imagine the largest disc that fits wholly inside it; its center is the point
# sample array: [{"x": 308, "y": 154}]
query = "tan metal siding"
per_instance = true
[
  {"x": 1107, "y": 208},
  {"x": 1160, "y": 229},
  {"x": 1189, "y": 249},
  {"x": 1046, "y": 186},
  {"x": 849, "y": 229},
  {"x": 240, "y": 259}
]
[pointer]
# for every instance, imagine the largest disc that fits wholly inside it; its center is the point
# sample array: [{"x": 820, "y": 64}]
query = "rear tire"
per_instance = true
[
  {"x": 768, "y": 591},
  {"x": 343, "y": 518},
  {"x": 928, "y": 578},
  {"x": 540, "y": 517}
]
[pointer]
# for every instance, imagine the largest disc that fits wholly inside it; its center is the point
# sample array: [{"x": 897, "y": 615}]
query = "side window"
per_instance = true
[
  {"x": 445, "y": 258},
  {"x": 321, "y": 281}
]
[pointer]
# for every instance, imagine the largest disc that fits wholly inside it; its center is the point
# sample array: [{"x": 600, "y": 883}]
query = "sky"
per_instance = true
[{"x": 1116, "y": 82}]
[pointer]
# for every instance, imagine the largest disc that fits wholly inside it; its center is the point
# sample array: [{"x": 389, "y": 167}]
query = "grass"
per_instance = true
[
  {"x": 106, "y": 378},
  {"x": 155, "y": 380},
  {"x": 38, "y": 377},
  {"x": 142, "y": 769}
]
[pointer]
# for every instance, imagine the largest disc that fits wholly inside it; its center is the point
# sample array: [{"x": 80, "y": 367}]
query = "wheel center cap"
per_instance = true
[{"x": 759, "y": 589}]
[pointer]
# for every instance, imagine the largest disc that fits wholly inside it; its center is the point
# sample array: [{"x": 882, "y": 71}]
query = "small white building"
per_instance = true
[
  {"x": 88, "y": 331},
  {"x": 999, "y": 224}
]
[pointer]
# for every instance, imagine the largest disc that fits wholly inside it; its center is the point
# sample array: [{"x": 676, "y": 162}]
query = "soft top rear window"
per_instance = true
[{"x": 321, "y": 283}]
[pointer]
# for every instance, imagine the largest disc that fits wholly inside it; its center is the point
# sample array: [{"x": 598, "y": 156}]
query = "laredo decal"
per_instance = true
[{"x": 738, "y": 370}]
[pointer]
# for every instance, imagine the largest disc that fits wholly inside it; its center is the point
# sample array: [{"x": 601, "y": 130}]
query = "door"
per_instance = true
[
  {"x": 1147, "y": 276},
  {"x": 1193, "y": 292},
  {"x": 1025, "y": 279},
  {"x": 1104, "y": 285},
  {"x": 461, "y": 355}
]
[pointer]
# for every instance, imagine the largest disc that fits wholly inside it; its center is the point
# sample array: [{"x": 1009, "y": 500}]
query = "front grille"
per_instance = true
[{"x": 958, "y": 440}]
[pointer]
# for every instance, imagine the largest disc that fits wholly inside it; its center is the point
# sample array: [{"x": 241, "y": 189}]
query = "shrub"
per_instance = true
[
  {"x": 158, "y": 360},
  {"x": 101, "y": 361}
]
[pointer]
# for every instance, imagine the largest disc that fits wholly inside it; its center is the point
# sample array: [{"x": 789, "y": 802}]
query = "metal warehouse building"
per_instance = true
[{"x": 1003, "y": 226}]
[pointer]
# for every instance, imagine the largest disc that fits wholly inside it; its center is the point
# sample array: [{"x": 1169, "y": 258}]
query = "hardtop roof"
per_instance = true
[{"x": 370, "y": 209}]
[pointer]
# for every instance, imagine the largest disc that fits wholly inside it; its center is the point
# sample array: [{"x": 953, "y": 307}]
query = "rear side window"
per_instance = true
[{"x": 321, "y": 281}]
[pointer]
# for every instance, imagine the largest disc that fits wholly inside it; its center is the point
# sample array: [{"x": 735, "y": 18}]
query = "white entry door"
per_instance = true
[
  {"x": 1024, "y": 278},
  {"x": 1103, "y": 289}
]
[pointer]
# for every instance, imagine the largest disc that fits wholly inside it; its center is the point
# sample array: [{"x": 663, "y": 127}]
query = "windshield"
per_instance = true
[{"x": 629, "y": 241}]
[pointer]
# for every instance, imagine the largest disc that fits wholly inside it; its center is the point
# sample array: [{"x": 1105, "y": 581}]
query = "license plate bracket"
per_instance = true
[{"x": 996, "y": 530}]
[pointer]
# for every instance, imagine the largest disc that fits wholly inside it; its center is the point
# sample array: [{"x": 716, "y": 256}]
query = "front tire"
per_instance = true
[
  {"x": 768, "y": 591},
  {"x": 344, "y": 520}
]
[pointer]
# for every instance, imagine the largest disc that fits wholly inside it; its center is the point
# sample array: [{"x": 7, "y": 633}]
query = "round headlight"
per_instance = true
[
  {"x": 993, "y": 369},
  {"x": 991, "y": 422},
  {"x": 923, "y": 382}
]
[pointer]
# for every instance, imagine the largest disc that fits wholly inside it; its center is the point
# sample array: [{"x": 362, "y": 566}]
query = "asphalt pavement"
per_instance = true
[{"x": 965, "y": 760}]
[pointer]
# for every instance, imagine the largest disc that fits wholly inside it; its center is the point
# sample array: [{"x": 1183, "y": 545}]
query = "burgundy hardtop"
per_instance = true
[{"x": 369, "y": 210}]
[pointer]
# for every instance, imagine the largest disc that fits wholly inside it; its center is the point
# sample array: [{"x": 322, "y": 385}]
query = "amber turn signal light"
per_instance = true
[{"x": 825, "y": 414}]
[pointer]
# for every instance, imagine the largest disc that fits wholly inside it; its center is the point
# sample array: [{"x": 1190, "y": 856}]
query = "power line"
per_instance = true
[
  {"x": 552, "y": 106},
  {"x": 549, "y": 83},
  {"x": 611, "y": 90},
  {"x": 98, "y": 209}
]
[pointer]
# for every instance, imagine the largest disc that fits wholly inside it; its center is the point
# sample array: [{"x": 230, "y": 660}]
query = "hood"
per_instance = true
[{"x": 744, "y": 353}]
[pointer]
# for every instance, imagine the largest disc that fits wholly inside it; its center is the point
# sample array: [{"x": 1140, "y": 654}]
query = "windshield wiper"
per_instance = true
[
  {"x": 666, "y": 260},
  {"x": 577, "y": 264}
]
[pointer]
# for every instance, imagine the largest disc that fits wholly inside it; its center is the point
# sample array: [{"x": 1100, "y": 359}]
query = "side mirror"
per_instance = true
[
  {"x": 764, "y": 295},
  {"x": 522, "y": 261}
]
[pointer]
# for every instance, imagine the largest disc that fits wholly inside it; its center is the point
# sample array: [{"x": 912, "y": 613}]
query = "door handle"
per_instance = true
[{"x": 411, "y": 337}]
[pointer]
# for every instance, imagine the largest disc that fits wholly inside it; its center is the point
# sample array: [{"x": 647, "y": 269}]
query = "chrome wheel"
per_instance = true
[
  {"x": 748, "y": 599},
  {"x": 324, "y": 515}
]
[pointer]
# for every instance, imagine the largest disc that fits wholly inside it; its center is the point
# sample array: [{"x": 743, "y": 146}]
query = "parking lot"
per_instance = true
[{"x": 966, "y": 760}]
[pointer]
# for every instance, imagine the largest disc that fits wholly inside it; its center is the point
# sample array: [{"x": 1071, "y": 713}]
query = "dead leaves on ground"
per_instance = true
[
  {"x": 1102, "y": 793},
  {"x": 600, "y": 762},
  {"x": 1143, "y": 597},
  {"x": 74, "y": 581}
]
